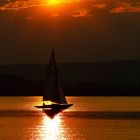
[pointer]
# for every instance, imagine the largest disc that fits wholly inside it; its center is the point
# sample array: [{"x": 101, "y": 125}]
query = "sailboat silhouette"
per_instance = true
[{"x": 53, "y": 91}]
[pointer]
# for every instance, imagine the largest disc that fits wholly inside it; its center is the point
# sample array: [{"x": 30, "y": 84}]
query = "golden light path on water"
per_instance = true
[
  {"x": 20, "y": 120},
  {"x": 51, "y": 128}
]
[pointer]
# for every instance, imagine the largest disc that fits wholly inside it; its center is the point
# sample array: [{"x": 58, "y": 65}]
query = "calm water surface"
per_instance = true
[{"x": 90, "y": 118}]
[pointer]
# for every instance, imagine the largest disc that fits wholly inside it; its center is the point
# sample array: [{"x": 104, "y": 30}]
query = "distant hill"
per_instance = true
[
  {"x": 119, "y": 72},
  {"x": 104, "y": 78}
]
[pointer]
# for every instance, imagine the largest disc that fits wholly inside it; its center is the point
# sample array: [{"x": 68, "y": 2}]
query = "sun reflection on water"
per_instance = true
[{"x": 50, "y": 128}]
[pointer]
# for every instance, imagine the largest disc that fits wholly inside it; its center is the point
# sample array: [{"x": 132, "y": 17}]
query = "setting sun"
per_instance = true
[{"x": 53, "y": 2}]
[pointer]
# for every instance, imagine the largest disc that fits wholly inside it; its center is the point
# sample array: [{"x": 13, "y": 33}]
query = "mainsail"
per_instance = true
[{"x": 53, "y": 90}]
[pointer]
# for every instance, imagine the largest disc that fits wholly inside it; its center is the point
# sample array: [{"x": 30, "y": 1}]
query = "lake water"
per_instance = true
[{"x": 90, "y": 118}]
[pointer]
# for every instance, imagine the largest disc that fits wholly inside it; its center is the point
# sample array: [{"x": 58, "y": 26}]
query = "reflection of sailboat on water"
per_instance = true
[{"x": 53, "y": 99}]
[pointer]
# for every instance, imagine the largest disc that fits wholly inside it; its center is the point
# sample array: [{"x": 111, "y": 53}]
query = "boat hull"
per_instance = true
[
  {"x": 52, "y": 110},
  {"x": 55, "y": 106}
]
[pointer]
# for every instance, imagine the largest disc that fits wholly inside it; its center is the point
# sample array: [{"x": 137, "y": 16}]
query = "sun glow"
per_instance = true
[
  {"x": 50, "y": 128},
  {"x": 54, "y": 2}
]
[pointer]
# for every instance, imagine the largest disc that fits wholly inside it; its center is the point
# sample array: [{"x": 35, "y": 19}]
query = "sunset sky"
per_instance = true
[{"x": 79, "y": 30}]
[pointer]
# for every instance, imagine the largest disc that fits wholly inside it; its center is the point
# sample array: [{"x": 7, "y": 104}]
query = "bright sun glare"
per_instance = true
[
  {"x": 53, "y": 2},
  {"x": 50, "y": 128}
]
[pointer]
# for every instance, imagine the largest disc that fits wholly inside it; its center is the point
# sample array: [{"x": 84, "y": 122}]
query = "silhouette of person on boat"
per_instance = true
[{"x": 53, "y": 91}]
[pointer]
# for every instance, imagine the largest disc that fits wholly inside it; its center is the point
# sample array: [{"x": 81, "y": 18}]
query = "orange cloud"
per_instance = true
[
  {"x": 100, "y": 6},
  {"x": 81, "y": 13},
  {"x": 29, "y": 18},
  {"x": 54, "y": 15},
  {"x": 74, "y": 8},
  {"x": 17, "y": 5},
  {"x": 126, "y": 7},
  {"x": 21, "y": 4}
]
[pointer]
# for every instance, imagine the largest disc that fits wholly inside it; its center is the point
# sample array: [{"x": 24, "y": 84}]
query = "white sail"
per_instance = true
[{"x": 53, "y": 90}]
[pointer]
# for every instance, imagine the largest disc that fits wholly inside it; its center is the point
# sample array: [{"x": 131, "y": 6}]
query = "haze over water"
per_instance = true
[{"x": 87, "y": 119}]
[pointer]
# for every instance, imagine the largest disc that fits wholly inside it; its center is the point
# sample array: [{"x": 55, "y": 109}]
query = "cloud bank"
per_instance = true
[{"x": 74, "y": 8}]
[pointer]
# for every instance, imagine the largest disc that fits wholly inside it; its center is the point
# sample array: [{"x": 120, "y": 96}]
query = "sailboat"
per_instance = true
[{"x": 53, "y": 98}]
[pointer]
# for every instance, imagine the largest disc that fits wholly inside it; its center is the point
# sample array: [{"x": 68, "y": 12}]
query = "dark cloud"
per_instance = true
[
  {"x": 75, "y": 8},
  {"x": 126, "y": 7},
  {"x": 81, "y": 31}
]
